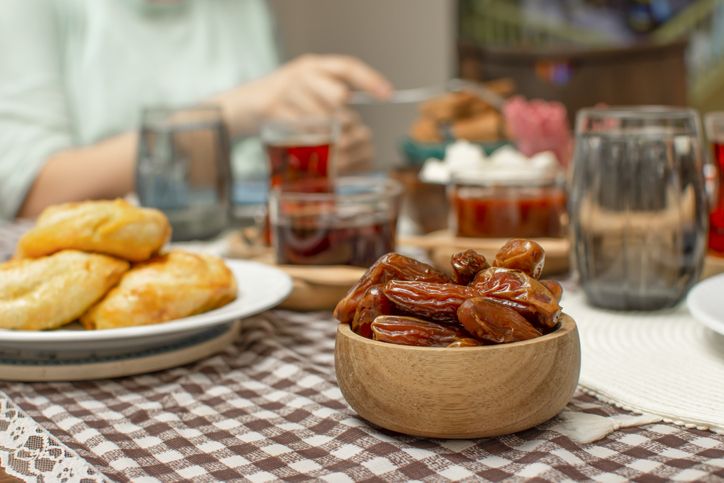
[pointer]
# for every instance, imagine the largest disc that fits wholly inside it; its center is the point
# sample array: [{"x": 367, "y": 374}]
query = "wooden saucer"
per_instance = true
[{"x": 315, "y": 287}]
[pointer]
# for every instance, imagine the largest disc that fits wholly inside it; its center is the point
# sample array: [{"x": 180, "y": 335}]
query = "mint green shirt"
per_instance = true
[{"x": 73, "y": 72}]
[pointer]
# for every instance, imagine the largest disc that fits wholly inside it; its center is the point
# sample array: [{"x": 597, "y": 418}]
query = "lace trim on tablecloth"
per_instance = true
[{"x": 29, "y": 452}]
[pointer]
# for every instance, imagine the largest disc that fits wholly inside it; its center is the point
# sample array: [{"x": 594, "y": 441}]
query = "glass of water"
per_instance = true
[
  {"x": 638, "y": 205},
  {"x": 183, "y": 169}
]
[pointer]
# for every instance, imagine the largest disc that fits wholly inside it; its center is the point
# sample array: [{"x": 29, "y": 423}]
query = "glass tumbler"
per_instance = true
[
  {"x": 183, "y": 169},
  {"x": 638, "y": 206},
  {"x": 353, "y": 224}
]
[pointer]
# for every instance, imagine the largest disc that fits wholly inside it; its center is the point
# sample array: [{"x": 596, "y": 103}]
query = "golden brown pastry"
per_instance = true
[
  {"x": 425, "y": 130},
  {"x": 447, "y": 107},
  {"x": 167, "y": 287},
  {"x": 114, "y": 228},
  {"x": 48, "y": 292},
  {"x": 503, "y": 87},
  {"x": 482, "y": 128}
]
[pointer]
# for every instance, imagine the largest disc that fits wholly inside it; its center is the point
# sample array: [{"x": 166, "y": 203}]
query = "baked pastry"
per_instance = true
[
  {"x": 425, "y": 130},
  {"x": 114, "y": 228},
  {"x": 482, "y": 128},
  {"x": 48, "y": 292},
  {"x": 170, "y": 286},
  {"x": 461, "y": 115}
]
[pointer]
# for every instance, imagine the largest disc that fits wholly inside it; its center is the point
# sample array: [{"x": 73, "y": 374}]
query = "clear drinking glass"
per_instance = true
[
  {"x": 300, "y": 153},
  {"x": 354, "y": 223},
  {"x": 638, "y": 205},
  {"x": 183, "y": 169},
  {"x": 300, "y": 150}
]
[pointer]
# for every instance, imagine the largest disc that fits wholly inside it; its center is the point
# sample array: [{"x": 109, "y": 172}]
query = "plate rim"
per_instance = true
[
  {"x": 187, "y": 324},
  {"x": 701, "y": 315},
  {"x": 130, "y": 365}
]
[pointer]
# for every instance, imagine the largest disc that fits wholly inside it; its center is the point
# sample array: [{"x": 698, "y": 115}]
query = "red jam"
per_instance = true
[{"x": 508, "y": 211}]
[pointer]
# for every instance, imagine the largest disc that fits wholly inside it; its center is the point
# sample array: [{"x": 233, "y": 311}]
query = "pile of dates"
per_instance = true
[{"x": 403, "y": 301}]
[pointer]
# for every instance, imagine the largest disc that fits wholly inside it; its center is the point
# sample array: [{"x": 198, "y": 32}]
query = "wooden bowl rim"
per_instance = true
[{"x": 566, "y": 326}]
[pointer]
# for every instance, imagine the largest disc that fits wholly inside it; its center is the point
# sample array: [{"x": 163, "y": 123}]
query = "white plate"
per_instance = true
[
  {"x": 706, "y": 303},
  {"x": 260, "y": 288},
  {"x": 89, "y": 365}
]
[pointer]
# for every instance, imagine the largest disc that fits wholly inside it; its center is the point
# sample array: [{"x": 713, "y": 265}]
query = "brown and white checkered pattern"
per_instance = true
[{"x": 268, "y": 408}]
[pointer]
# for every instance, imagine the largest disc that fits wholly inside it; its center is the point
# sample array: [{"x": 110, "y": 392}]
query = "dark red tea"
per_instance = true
[
  {"x": 308, "y": 242},
  {"x": 299, "y": 167},
  {"x": 716, "y": 217},
  {"x": 525, "y": 216},
  {"x": 292, "y": 163}
]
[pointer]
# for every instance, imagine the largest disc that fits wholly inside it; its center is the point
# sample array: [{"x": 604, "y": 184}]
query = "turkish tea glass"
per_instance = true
[
  {"x": 638, "y": 206},
  {"x": 299, "y": 150},
  {"x": 714, "y": 122}
]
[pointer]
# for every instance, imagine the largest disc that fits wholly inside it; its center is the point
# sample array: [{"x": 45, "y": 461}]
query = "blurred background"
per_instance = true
[
  {"x": 579, "y": 52},
  {"x": 423, "y": 33}
]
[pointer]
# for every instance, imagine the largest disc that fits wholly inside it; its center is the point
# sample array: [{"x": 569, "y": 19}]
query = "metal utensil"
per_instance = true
[{"x": 420, "y": 94}]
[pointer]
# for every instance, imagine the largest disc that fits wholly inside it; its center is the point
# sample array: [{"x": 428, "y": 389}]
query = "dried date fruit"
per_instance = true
[
  {"x": 554, "y": 287},
  {"x": 373, "y": 304},
  {"x": 466, "y": 265},
  {"x": 465, "y": 342},
  {"x": 521, "y": 292},
  {"x": 404, "y": 330},
  {"x": 433, "y": 301},
  {"x": 391, "y": 266},
  {"x": 492, "y": 322},
  {"x": 524, "y": 255}
]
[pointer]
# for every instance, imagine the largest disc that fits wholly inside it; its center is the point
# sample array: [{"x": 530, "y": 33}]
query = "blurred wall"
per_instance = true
[{"x": 410, "y": 41}]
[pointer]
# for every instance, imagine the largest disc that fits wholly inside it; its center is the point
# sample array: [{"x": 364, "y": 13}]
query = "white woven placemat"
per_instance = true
[{"x": 663, "y": 363}]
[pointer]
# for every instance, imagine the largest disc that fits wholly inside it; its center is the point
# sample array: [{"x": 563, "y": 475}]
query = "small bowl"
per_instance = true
[
  {"x": 471, "y": 392},
  {"x": 350, "y": 221},
  {"x": 507, "y": 207}
]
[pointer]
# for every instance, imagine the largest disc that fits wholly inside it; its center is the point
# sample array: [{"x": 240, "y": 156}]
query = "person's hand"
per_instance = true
[
  {"x": 354, "y": 151},
  {"x": 310, "y": 86},
  {"x": 317, "y": 85}
]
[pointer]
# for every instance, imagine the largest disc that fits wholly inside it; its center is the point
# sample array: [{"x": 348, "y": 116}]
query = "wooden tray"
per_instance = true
[
  {"x": 315, "y": 287},
  {"x": 440, "y": 246}
]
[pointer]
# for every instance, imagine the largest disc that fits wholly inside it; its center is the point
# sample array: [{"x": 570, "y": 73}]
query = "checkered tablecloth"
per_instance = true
[{"x": 268, "y": 408}]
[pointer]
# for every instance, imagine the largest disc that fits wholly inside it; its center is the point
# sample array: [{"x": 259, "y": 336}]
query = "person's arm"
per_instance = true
[
  {"x": 101, "y": 170},
  {"x": 309, "y": 86},
  {"x": 34, "y": 122}
]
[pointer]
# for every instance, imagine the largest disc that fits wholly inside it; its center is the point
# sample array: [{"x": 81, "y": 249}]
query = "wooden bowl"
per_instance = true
[{"x": 471, "y": 392}]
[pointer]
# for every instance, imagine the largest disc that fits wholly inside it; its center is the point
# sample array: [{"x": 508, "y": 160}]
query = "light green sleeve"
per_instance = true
[
  {"x": 249, "y": 162},
  {"x": 34, "y": 121}
]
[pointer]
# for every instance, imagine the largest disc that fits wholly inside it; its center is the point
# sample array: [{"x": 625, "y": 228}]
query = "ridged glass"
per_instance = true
[{"x": 638, "y": 206}]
